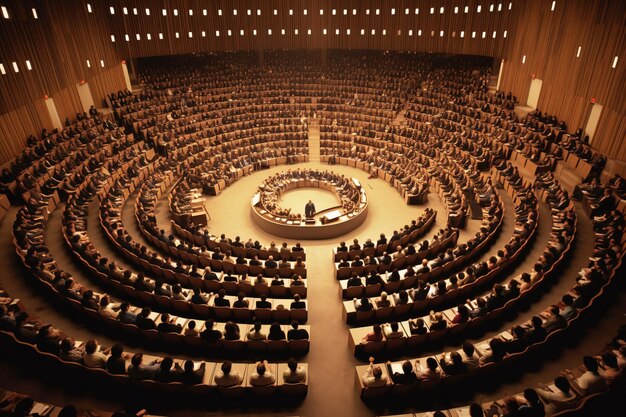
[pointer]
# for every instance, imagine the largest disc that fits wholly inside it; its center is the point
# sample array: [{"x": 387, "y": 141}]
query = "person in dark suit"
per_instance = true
[
  {"x": 295, "y": 333},
  {"x": 167, "y": 326},
  {"x": 297, "y": 303},
  {"x": 309, "y": 209},
  {"x": 209, "y": 334},
  {"x": 143, "y": 320},
  {"x": 271, "y": 263},
  {"x": 407, "y": 376},
  {"x": 191, "y": 376},
  {"x": 354, "y": 281},
  {"x": 263, "y": 303},
  {"x": 220, "y": 300},
  {"x": 241, "y": 301}
]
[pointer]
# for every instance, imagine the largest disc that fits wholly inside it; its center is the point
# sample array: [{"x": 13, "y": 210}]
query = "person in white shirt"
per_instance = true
[
  {"x": 226, "y": 377},
  {"x": 560, "y": 399},
  {"x": 392, "y": 330},
  {"x": 262, "y": 376},
  {"x": 591, "y": 381},
  {"x": 106, "y": 309},
  {"x": 383, "y": 301},
  {"x": 295, "y": 374},
  {"x": 255, "y": 333},
  {"x": 373, "y": 376},
  {"x": 93, "y": 358}
]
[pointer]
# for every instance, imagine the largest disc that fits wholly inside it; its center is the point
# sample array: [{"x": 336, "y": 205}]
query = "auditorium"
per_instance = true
[{"x": 399, "y": 208}]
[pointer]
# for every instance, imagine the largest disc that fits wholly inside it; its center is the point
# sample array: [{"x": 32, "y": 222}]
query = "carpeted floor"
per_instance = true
[{"x": 332, "y": 390}]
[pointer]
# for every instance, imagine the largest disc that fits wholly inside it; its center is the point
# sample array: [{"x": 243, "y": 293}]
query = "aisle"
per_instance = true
[{"x": 314, "y": 140}]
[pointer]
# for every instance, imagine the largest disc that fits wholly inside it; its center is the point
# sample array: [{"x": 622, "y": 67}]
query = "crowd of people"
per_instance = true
[{"x": 352, "y": 198}]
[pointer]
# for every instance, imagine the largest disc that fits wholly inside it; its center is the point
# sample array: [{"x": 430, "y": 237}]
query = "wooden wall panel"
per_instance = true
[
  {"x": 65, "y": 35},
  {"x": 67, "y": 103},
  {"x": 391, "y": 30},
  {"x": 105, "y": 83},
  {"x": 58, "y": 44},
  {"x": 610, "y": 136},
  {"x": 15, "y": 127},
  {"x": 550, "y": 41}
]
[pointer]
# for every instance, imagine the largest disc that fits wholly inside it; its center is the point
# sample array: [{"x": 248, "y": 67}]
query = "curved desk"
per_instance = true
[{"x": 336, "y": 222}]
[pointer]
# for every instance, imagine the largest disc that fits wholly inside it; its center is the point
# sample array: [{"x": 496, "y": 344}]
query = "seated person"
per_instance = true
[
  {"x": 611, "y": 372},
  {"x": 430, "y": 372},
  {"x": 373, "y": 376},
  {"x": 69, "y": 352},
  {"x": 255, "y": 333},
  {"x": 137, "y": 370},
  {"x": 116, "y": 364},
  {"x": 497, "y": 351},
  {"x": 568, "y": 311},
  {"x": 470, "y": 360},
  {"x": 262, "y": 377},
  {"x": 518, "y": 343},
  {"x": 241, "y": 301},
  {"x": 297, "y": 303},
  {"x": 125, "y": 316},
  {"x": 209, "y": 334},
  {"x": 168, "y": 371},
  {"x": 168, "y": 325},
  {"x": 591, "y": 381},
  {"x": 295, "y": 333},
  {"x": 392, "y": 330},
  {"x": 555, "y": 321},
  {"x": 231, "y": 331},
  {"x": 376, "y": 335},
  {"x": 454, "y": 365},
  {"x": 560, "y": 399},
  {"x": 191, "y": 375},
  {"x": 383, "y": 301},
  {"x": 94, "y": 358},
  {"x": 536, "y": 333},
  {"x": 263, "y": 303},
  {"x": 276, "y": 332},
  {"x": 226, "y": 377},
  {"x": 294, "y": 374},
  {"x": 221, "y": 300},
  {"x": 407, "y": 376},
  {"x": 354, "y": 281},
  {"x": 143, "y": 320},
  {"x": 437, "y": 321},
  {"x": 417, "y": 326},
  {"x": 531, "y": 405}
]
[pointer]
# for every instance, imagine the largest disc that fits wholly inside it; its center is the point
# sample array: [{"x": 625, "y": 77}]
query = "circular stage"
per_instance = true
[{"x": 329, "y": 221}]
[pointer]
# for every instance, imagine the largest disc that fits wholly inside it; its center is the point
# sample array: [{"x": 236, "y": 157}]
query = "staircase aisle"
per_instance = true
[
  {"x": 401, "y": 115},
  {"x": 314, "y": 140}
]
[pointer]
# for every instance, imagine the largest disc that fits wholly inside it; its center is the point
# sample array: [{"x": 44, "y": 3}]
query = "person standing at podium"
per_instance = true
[{"x": 309, "y": 209}]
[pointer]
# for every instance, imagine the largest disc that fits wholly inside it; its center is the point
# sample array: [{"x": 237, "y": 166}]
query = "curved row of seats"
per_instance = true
[
  {"x": 581, "y": 399},
  {"x": 145, "y": 290},
  {"x": 188, "y": 251},
  {"x": 430, "y": 299},
  {"x": 92, "y": 312},
  {"x": 204, "y": 386},
  {"x": 407, "y": 234},
  {"x": 586, "y": 294},
  {"x": 482, "y": 349},
  {"x": 201, "y": 261},
  {"x": 31, "y": 169}
]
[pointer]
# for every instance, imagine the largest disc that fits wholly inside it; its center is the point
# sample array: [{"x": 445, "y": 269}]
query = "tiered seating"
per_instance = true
[
  {"x": 43, "y": 166},
  {"x": 423, "y": 125},
  {"x": 202, "y": 378},
  {"x": 576, "y": 399},
  {"x": 587, "y": 290},
  {"x": 471, "y": 314}
]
